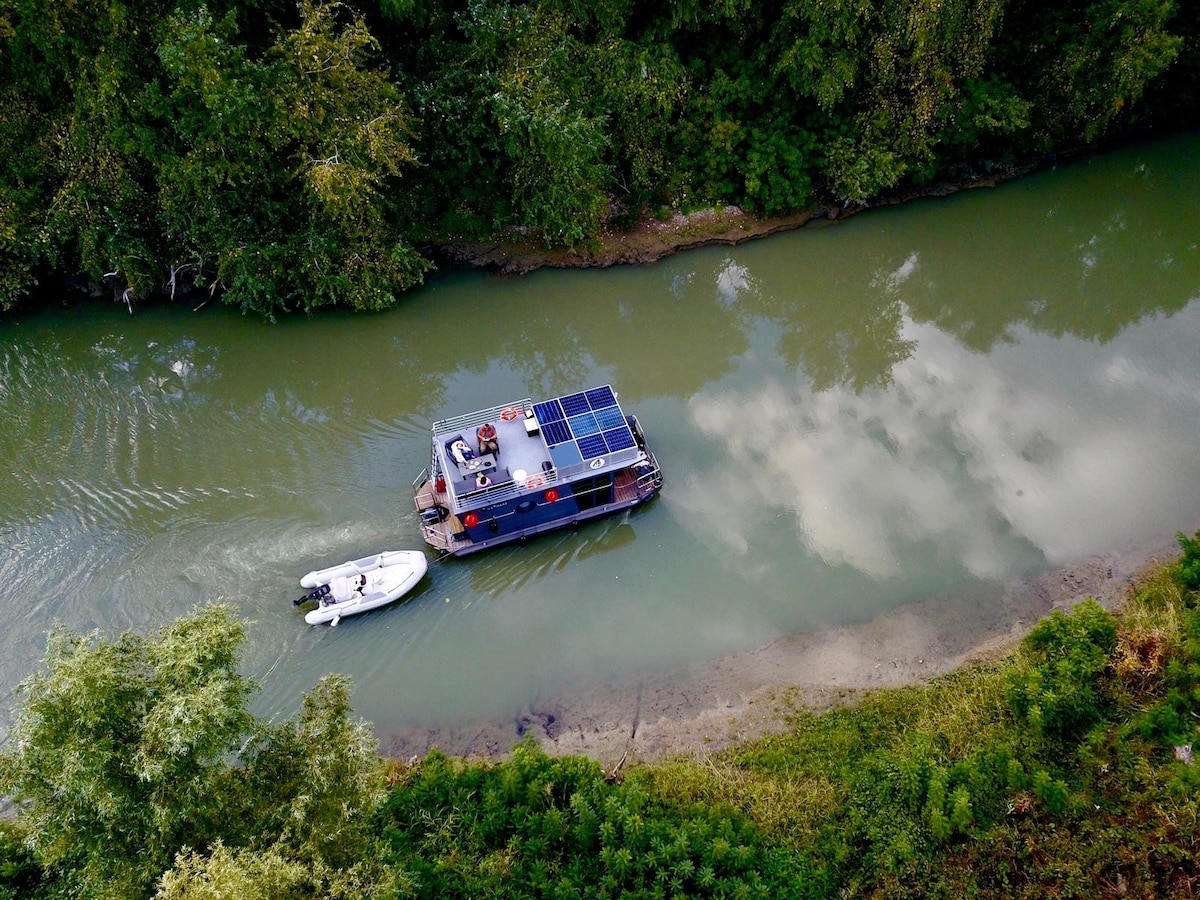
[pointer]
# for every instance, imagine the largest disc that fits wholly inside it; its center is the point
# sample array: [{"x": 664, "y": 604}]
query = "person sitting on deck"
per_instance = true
[
  {"x": 482, "y": 480},
  {"x": 461, "y": 451},
  {"x": 487, "y": 439}
]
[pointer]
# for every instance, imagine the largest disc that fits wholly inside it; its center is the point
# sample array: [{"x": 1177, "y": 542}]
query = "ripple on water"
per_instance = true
[{"x": 56, "y": 568}]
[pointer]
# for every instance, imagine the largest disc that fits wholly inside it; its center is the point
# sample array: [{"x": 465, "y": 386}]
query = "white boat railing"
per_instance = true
[{"x": 479, "y": 417}]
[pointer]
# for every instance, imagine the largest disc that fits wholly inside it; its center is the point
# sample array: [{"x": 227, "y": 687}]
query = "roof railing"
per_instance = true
[{"x": 470, "y": 420}]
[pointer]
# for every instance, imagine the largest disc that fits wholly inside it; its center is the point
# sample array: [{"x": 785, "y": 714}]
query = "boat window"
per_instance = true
[
  {"x": 593, "y": 491},
  {"x": 526, "y": 506}
]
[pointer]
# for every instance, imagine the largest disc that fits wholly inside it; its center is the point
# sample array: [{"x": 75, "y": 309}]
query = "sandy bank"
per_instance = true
[{"x": 713, "y": 705}]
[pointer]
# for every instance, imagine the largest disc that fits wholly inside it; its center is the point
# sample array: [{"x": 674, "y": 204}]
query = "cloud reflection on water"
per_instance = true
[{"x": 961, "y": 451}]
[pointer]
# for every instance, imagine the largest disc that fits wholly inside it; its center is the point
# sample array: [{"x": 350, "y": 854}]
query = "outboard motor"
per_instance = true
[{"x": 315, "y": 594}]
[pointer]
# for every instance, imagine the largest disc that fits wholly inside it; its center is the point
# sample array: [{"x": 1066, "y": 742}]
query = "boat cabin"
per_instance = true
[{"x": 507, "y": 472}]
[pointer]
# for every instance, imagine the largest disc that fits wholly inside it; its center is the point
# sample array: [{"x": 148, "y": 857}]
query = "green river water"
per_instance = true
[{"x": 907, "y": 403}]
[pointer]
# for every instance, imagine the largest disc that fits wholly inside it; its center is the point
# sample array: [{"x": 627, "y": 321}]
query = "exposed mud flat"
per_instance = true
[{"x": 714, "y": 705}]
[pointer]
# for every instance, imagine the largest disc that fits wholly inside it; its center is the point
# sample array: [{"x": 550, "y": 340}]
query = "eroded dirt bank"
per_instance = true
[
  {"x": 714, "y": 705},
  {"x": 654, "y": 239}
]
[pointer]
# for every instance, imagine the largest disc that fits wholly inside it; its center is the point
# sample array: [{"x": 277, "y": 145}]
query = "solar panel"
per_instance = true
[
  {"x": 584, "y": 426},
  {"x": 609, "y": 418},
  {"x": 600, "y": 397},
  {"x": 549, "y": 411},
  {"x": 574, "y": 404},
  {"x": 618, "y": 439},
  {"x": 592, "y": 446},
  {"x": 556, "y": 432}
]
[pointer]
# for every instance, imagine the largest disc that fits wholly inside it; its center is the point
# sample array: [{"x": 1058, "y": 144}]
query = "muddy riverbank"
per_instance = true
[
  {"x": 650, "y": 240},
  {"x": 715, "y": 705}
]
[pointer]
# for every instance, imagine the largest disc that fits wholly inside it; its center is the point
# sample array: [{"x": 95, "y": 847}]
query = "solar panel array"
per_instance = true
[{"x": 583, "y": 427}]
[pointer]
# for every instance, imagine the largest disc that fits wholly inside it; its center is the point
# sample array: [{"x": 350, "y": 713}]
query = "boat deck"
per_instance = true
[
  {"x": 440, "y": 535},
  {"x": 449, "y": 536},
  {"x": 523, "y": 453},
  {"x": 582, "y": 439}
]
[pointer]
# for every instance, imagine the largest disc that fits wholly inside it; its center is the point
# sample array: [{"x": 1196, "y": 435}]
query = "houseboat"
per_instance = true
[{"x": 511, "y": 471}]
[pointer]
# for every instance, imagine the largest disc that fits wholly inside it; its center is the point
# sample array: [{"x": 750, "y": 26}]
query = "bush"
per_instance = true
[
  {"x": 1058, "y": 692},
  {"x": 125, "y": 752},
  {"x": 1188, "y": 570},
  {"x": 539, "y": 827},
  {"x": 20, "y": 874}
]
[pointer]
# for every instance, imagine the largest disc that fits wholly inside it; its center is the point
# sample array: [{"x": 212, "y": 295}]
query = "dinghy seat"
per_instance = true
[{"x": 343, "y": 588}]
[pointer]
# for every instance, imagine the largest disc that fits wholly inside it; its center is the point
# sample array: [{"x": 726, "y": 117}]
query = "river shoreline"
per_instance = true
[
  {"x": 652, "y": 239},
  {"x": 512, "y": 253},
  {"x": 711, "y": 706}
]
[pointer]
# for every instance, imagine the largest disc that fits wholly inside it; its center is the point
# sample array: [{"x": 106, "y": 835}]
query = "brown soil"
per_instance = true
[
  {"x": 513, "y": 254},
  {"x": 714, "y": 705}
]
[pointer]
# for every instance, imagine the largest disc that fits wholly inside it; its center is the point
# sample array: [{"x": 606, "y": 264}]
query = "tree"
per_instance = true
[
  {"x": 316, "y": 779},
  {"x": 897, "y": 74},
  {"x": 554, "y": 144},
  {"x": 120, "y": 750},
  {"x": 134, "y": 755},
  {"x": 78, "y": 187},
  {"x": 278, "y": 185},
  {"x": 1085, "y": 63}
]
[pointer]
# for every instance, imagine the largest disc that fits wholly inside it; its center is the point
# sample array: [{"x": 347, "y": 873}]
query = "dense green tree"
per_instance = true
[
  {"x": 894, "y": 75},
  {"x": 120, "y": 750},
  {"x": 26, "y": 244},
  {"x": 743, "y": 140},
  {"x": 277, "y": 184},
  {"x": 315, "y": 779},
  {"x": 640, "y": 88},
  {"x": 78, "y": 188},
  {"x": 294, "y": 156},
  {"x": 126, "y": 753},
  {"x": 1084, "y": 64},
  {"x": 554, "y": 145}
]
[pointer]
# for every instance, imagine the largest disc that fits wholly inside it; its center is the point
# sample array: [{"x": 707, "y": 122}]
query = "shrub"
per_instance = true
[
  {"x": 1058, "y": 692},
  {"x": 539, "y": 827},
  {"x": 1189, "y": 567},
  {"x": 125, "y": 752}
]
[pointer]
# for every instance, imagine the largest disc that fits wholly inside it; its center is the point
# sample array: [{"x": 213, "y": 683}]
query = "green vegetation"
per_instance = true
[
  {"x": 301, "y": 155},
  {"x": 134, "y": 755},
  {"x": 1057, "y": 772}
]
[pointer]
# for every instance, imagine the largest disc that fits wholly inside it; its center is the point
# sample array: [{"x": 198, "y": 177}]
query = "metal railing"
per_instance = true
[{"x": 470, "y": 420}]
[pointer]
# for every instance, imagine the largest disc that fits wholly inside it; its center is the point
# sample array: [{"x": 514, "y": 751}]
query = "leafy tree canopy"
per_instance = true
[
  {"x": 297, "y": 157},
  {"x": 128, "y": 753}
]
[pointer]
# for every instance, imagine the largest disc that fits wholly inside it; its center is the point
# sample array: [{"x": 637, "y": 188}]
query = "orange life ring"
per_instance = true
[
  {"x": 534, "y": 481},
  {"x": 510, "y": 413}
]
